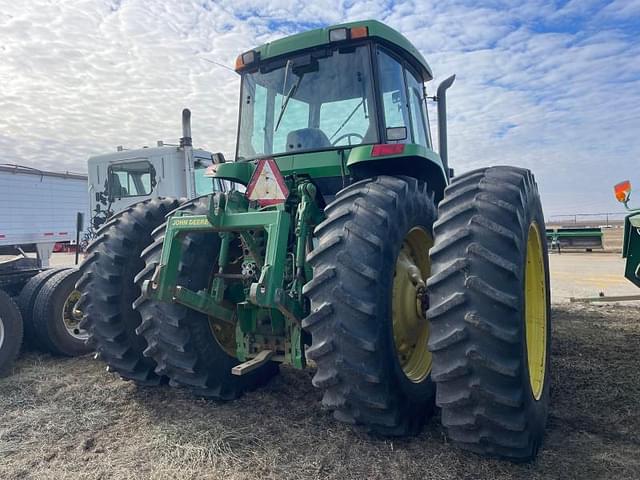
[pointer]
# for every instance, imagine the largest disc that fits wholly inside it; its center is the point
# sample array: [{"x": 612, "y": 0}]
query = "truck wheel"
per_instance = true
[
  {"x": 490, "y": 313},
  {"x": 367, "y": 321},
  {"x": 56, "y": 320},
  {"x": 10, "y": 332},
  {"x": 108, "y": 289},
  {"x": 189, "y": 347},
  {"x": 27, "y": 299}
]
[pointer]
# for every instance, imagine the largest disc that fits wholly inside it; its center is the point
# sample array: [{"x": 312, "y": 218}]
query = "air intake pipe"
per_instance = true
[{"x": 441, "y": 96}]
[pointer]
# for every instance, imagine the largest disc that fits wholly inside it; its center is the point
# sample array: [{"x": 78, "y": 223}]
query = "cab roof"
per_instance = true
[{"x": 320, "y": 36}]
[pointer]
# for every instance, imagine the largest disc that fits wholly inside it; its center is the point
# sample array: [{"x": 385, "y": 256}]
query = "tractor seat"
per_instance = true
[{"x": 307, "y": 139}]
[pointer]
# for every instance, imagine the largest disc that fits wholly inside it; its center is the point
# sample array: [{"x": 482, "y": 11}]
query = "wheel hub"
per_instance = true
[
  {"x": 1, "y": 332},
  {"x": 410, "y": 326},
  {"x": 71, "y": 316},
  {"x": 535, "y": 311}
]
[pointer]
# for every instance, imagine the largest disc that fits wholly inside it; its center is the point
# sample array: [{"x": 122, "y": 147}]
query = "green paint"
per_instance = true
[
  {"x": 415, "y": 151},
  {"x": 631, "y": 247},
  {"x": 269, "y": 245},
  {"x": 316, "y": 38}
]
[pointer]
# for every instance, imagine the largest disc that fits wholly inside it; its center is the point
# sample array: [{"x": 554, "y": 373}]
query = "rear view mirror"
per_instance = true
[
  {"x": 623, "y": 191},
  {"x": 396, "y": 133},
  {"x": 218, "y": 158}
]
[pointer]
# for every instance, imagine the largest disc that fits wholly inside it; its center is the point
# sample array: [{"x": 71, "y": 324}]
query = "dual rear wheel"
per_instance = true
[
  {"x": 484, "y": 343},
  {"x": 408, "y": 310}
]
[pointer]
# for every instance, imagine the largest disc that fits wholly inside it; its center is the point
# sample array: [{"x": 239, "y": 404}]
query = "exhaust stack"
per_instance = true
[
  {"x": 186, "y": 144},
  {"x": 186, "y": 141},
  {"x": 441, "y": 95}
]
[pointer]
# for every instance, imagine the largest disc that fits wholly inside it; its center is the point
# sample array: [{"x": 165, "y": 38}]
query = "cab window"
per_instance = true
[
  {"x": 131, "y": 179},
  {"x": 204, "y": 184},
  {"x": 347, "y": 122},
  {"x": 416, "y": 104},
  {"x": 394, "y": 98}
]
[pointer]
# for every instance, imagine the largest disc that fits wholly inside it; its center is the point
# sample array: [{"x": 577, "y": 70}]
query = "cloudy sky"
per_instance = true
[{"x": 550, "y": 85}]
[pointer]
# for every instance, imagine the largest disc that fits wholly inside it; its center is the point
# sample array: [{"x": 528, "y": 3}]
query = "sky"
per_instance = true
[{"x": 553, "y": 86}]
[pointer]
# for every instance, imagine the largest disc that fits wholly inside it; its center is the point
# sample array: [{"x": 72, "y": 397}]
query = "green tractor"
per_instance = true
[
  {"x": 631, "y": 238},
  {"x": 345, "y": 244}
]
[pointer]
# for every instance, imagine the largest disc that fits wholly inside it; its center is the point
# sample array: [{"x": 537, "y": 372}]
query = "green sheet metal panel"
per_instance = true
[
  {"x": 320, "y": 36},
  {"x": 631, "y": 248}
]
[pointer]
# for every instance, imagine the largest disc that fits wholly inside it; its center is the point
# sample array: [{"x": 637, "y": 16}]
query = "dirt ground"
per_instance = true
[{"x": 69, "y": 419}]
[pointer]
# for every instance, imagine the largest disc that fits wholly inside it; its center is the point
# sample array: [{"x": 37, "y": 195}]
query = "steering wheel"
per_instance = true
[{"x": 348, "y": 135}]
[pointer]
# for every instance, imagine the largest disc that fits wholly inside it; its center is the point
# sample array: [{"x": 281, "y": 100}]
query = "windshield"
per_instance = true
[
  {"x": 204, "y": 184},
  {"x": 311, "y": 102}
]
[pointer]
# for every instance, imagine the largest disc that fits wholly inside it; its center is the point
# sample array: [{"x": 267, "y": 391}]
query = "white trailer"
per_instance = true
[{"x": 40, "y": 208}]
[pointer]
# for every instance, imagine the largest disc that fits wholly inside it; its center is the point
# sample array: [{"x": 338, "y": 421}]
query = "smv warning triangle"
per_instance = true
[{"x": 267, "y": 185}]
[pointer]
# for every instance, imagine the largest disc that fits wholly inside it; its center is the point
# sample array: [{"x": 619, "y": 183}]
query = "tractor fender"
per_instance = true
[
  {"x": 239, "y": 172},
  {"x": 414, "y": 161}
]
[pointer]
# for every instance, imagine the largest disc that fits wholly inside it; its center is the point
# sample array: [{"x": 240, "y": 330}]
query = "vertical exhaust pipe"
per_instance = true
[
  {"x": 441, "y": 95},
  {"x": 186, "y": 128},
  {"x": 186, "y": 144}
]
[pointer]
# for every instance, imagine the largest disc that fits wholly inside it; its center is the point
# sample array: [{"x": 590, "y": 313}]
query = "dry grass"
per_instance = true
[{"x": 63, "y": 419}]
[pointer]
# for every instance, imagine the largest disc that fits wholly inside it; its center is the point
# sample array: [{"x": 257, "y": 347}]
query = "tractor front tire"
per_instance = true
[
  {"x": 181, "y": 340},
  {"x": 108, "y": 289},
  {"x": 490, "y": 313},
  {"x": 367, "y": 322}
]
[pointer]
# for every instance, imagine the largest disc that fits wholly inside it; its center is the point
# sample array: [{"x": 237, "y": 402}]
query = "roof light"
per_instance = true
[
  {"x": 359, "y": 32},
  {"x": 387, "y": 149},
  {"x": 246, "y": 59},
  {"x": 338, "y": 34},
  {"x": 622, "y": 191}
]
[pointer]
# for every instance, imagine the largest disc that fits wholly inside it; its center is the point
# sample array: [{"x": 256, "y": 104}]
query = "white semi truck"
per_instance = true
[
  {"x": 41, "y": 208},
  {"x": 125, "y": 177}
]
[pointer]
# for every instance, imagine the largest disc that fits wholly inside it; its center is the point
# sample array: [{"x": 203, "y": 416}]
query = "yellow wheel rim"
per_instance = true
[
  {"x": 410, "y": 327},
  {"x": 225, "y": 335},
  {"x": 535, "y": 301}
]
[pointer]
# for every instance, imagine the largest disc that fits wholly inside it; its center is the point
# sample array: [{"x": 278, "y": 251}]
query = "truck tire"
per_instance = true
[
  {"x": 367, "y": 322},
  {"x": 181, "y": 340},
  {"x": 108, "y": 289},
  {"x": 27, "y": 299},
  {"x": 55, "y": 321},
  {"x": 490, "y": 313},
  {"x": 10, "y": 332}
]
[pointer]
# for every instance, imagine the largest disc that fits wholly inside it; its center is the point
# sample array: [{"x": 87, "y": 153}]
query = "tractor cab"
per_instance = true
[{"x": 328, "y": 102}]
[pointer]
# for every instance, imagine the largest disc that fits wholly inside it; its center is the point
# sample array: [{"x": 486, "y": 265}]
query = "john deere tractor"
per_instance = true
[{"x": 345, "y": 245}]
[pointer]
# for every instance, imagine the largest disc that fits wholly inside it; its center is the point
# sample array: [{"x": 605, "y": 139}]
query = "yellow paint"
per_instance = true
[
  {"x": 535, "y": 302},
  {"x": 410, "y": 327},
  {"x": 189, "y": 222}
]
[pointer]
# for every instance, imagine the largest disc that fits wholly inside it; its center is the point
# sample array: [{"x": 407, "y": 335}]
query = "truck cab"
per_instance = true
[{"x": 125, "y": 177}]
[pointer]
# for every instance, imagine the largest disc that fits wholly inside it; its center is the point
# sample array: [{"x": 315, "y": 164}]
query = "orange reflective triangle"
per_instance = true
[{"x": 267, "y": 185}]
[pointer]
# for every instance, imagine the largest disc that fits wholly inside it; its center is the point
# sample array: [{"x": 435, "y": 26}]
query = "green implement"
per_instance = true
[{"x": 631, "y": 238}]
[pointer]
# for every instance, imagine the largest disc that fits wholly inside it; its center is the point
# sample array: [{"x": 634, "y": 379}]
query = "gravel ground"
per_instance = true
[{"x": 69, "y": 419}]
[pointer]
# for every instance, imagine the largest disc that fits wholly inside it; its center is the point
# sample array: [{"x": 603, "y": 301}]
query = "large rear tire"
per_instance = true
[
  {"x": 490, "y": 313},
  {"x": 181, "y": 340},
  {"x": 108, "y": 289},
  {"x": 369, "y": 333},
  {"x": 10, "y": 332}
]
